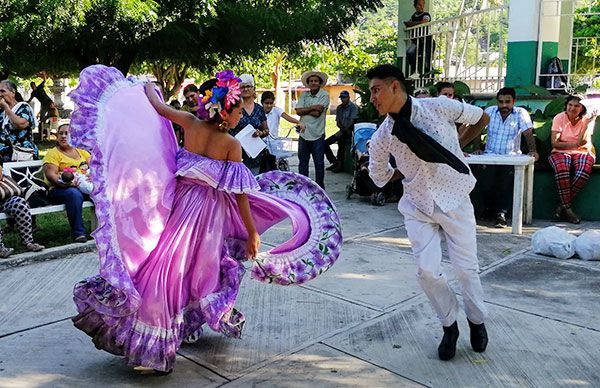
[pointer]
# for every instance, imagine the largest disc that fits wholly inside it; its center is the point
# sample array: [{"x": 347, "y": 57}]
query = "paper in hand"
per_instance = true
[{"x": 252, "y": 145}]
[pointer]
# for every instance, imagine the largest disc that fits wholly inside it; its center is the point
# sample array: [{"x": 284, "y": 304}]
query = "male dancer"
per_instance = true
[{"x": 421, "y": 135}]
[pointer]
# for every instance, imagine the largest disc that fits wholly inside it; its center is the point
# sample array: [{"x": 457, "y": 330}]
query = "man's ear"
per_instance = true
[{"x": 396, "y": 88}]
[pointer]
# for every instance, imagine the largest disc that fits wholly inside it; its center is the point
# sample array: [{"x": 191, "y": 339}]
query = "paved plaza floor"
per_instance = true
[{"x": 364, "y": 323}]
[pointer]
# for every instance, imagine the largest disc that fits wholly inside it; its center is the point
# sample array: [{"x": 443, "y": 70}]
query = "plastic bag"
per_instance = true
[
  {"x": 553, "y": 241},
  {"x": 587, "y": 245}
]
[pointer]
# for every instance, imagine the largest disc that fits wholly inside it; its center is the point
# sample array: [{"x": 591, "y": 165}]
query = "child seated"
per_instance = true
[{"x": 82, "y": 176}]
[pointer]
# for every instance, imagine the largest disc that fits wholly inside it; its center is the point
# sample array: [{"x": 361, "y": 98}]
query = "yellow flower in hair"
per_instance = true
[{"x": 207, "y": 96}]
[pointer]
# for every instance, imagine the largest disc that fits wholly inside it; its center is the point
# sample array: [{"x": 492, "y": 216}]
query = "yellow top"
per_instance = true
[{"x": 62, "y": 161}]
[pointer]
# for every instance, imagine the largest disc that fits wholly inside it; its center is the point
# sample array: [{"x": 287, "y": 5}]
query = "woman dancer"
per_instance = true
[{"x": 173, "y": 224}]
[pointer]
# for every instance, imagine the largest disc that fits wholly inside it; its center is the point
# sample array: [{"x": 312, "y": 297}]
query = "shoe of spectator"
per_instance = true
[
  {"x": 338, "y": 168},
  {"x": 5, "y": 252},
  {"x": 558, "y": 213},
  {"x": 80, "y": 239},
  {"x": 570, "y": 216},
  {"x": 34, "y": 247},
  {"x": 333, "y": 166},
  {"x": 501, "y": 220}
]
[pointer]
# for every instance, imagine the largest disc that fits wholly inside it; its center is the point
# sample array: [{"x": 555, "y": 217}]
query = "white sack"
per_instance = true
[
  {"x": 587, "y": 245},
  {"x": 553, "y": 241}
]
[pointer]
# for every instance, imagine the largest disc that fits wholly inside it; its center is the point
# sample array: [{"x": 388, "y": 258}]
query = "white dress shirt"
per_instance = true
[{"x": 426, "y": 184}]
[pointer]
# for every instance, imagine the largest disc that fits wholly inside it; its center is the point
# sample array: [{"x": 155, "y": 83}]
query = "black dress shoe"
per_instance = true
[
  {"x": 479, "y": 338},
  {"x": 447, "y": 348},
  {"x": 333, "y": 166}
]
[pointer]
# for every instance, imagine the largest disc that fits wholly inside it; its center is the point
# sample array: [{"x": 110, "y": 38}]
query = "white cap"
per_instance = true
[{"x": 247, "y": 79}]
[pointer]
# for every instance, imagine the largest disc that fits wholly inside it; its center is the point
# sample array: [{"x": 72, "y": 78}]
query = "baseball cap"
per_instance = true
[
  {"x": 247, "y": 79},
  {"x": 344, "y": 93}
]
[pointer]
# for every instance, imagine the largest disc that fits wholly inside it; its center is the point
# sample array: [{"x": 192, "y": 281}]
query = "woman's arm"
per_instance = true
[
  {"x": 185, "y": 119},
  {"x": 51, "y": 173},
  {"x": 18, "y": 121},
  {"x": 253, "y": 242},
  {"x": 562, "y": 145}
]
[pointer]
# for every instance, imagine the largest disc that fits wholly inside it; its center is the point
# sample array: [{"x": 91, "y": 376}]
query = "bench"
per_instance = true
[
  {"x": 523, "y": 184},
  {"x": 30, "y": 176}
]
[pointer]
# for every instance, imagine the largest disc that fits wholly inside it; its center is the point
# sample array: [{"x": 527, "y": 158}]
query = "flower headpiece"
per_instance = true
[{"x": 222, "y": 96}]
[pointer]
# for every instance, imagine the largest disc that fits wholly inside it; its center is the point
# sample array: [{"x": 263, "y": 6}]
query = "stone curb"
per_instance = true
[{"x": 59, "y": 252}]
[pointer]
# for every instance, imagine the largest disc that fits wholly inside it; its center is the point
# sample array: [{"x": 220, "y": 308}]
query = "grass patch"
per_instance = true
[
  {"x": 52, "y": 230},
  {"x": 330, "y": 128}
]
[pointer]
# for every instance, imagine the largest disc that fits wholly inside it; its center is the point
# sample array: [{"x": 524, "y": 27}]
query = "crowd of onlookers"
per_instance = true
[
  {"x": 572, "y": 156},
  {"x": 66, "y": 167}
]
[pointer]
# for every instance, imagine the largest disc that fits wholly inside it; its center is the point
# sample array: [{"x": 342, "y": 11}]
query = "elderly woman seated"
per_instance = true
[
  {"x": 65, "y": 157},
  {"x": 572, "y": 156}
]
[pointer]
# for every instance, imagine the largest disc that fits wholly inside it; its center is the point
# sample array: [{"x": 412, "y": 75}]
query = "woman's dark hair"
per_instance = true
[
  {"x": 442, "y": 85},
  {"x": 208, "y": 85},
  {"x": 267, "y": 96},
  {"x": 13, "y": 88},
  {"x": 578, "y": 98},
  {"x": 190, "y": 88}
]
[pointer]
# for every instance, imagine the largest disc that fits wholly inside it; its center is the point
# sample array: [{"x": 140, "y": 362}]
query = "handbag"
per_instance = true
[
  {"x": 21, "y": 154},
  {"x": 9, "y": 188},
  {"x": 268, "y": 162}
]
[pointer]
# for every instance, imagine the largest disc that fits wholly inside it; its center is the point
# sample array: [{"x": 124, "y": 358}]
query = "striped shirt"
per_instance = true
[{"x": 504, "y": 136}]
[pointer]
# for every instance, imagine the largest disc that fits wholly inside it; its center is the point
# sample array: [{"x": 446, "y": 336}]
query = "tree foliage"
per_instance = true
[
  {"x": 63, "y": 36},
  {"x": 586, "y": 29}
]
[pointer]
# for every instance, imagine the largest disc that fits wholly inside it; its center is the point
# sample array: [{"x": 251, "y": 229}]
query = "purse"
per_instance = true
[
  {"x": 21, "y": 154},
  {"x": 9, "y": 188},
  {"x": 268, "y": 162}
]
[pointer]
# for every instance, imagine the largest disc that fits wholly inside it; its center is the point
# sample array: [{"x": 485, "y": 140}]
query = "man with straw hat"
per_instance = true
[{"x": 312, "y": 109}]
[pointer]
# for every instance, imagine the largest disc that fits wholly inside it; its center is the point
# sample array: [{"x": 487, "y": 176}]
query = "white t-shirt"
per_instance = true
[{"x": 273, "y": 118}]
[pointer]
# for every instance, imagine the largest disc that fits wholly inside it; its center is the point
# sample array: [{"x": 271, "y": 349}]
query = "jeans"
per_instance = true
[
  {"x": 72, "y": 198},
  {"x": 316, "y": 148},
  {"x": 419, "y": 55}
]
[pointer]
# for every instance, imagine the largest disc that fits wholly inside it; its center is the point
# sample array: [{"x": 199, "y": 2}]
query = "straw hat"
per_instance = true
[{"x": 307, "y": 74}]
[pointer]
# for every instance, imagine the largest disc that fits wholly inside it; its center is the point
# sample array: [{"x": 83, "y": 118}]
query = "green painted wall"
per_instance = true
[
  {"x": 521, "y": 60},
  {"x": 549, "y": 51}
]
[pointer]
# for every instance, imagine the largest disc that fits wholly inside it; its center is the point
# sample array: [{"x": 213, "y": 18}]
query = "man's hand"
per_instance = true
[
  {"x": 4, "y": 105},
  {"x": 534, "y": 155}
]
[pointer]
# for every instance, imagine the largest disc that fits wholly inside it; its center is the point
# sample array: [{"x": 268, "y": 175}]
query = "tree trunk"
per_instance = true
[{"x": 170, "y": 77}]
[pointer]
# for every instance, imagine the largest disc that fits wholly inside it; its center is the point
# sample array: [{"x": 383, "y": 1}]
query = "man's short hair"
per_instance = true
[
  {"x": 387, "y": 72},
  {"x": 415, "y": 3},
  {"x": 507, "y": 92},
  {"x": 443, "y": 85}
]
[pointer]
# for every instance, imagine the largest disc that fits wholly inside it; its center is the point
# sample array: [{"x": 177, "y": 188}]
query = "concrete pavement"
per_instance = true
[{"x": 364, "y": 323}]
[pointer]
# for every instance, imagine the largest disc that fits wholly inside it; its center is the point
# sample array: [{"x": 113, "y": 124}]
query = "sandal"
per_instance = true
[
  {"x": 5, "y": 252},
  {"x": 570, "y": 215},
  {"x": 34, "y": 247}
]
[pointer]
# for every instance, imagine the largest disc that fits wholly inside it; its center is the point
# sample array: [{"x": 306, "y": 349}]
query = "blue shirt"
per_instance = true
[{"x": 504, "y": 136}]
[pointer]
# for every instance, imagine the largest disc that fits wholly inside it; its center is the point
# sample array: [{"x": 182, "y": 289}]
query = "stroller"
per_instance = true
[
  {"x": 362, "y": 184},
  {"x": 282, "y": 148}
]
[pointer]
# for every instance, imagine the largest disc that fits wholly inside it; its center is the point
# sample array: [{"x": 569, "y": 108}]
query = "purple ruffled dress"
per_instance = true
[{"x": 170, "y": 237}]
